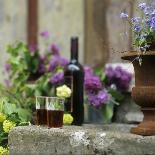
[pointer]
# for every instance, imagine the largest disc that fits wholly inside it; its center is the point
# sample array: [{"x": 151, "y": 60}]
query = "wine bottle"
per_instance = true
[{"x": 74, "y": 78}]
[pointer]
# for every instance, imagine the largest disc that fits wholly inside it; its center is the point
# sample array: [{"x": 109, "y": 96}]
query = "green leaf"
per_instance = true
[
  {"x": 107, "y": 112},
  {"x": 24, "y": 124},
  {"x": 116, "y": 95},
  {"x": 14, "y": 117},
  {"x": 9, "y": 108},
  {"x": 24, "y": 114}
]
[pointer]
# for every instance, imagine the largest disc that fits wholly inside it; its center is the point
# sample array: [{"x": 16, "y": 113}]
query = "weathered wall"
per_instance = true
[
  {"x": 96, "y": 22},
  {"x": 63, "y": 19},
  {"x": 105, "y": 38},
  {"x": 96, "y": 32},
  {"x": 12, "y": 26}
]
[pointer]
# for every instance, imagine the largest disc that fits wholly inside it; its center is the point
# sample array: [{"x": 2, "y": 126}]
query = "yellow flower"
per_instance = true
[
  {"x": 67, "y": 119},
  {"x": 2, "y": 117},
  {"x": 8, "y": 125},
  {"x": 4, "y": 151},
  {"x": 64, "y": 91}
]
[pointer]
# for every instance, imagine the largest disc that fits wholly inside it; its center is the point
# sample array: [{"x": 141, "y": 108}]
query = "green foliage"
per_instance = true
[
  {"x": 117, "y": 95},
  {"x": 108, "y": 112},
  {"x": 13, "y": 113},
  {"x": 9, "y": 108}
]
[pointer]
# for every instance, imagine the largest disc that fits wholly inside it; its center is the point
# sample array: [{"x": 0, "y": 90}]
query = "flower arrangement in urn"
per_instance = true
[
  {"x": 143, "y": 61},
  {"x": 143, "y": 26}
]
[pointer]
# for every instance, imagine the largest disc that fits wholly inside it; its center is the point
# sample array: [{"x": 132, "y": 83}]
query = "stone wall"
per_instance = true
[{"x": 113, "y": 139}]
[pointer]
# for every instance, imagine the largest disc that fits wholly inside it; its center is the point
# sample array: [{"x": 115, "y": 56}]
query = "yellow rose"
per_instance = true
[
  {"x": 63, "y": 91},
  {"x": 8, "y": 125},
  {"x": 67, "y": 119},
  {"x": 2, "y": 117},
  {"x": 4, "y": 151}
]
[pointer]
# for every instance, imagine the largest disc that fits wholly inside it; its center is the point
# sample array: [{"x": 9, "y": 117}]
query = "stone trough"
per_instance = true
[{"x": 113, "y": 139}]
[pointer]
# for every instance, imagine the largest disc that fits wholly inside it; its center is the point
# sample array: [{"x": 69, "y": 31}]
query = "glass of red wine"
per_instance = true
[
  {"x": 41, "y": 110},
  {"x": 55, "y": 111}
]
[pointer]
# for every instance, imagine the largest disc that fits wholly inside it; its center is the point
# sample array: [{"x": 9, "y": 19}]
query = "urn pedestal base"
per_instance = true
[{"x": 147, "y": 127}]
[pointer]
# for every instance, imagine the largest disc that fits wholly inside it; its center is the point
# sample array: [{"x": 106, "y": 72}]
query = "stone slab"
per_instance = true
[{"x": 113, "y": 139}]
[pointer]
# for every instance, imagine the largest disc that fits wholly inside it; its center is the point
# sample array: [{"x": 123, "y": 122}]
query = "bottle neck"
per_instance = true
[{"x": 74, "y": 49}]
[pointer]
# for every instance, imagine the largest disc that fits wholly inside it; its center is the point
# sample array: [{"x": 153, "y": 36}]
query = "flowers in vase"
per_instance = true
[{"x": 143, "y": 26}]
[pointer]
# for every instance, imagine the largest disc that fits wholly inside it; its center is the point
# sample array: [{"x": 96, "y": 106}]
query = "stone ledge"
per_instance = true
[{"x": 113, "y": 139}]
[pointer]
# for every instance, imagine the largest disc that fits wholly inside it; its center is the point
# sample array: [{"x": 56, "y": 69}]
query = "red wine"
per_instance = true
[
  {"x": 75, "y": 71},
  {"x": 41, "y": 116},
  {"x": 55, "y": 118}
]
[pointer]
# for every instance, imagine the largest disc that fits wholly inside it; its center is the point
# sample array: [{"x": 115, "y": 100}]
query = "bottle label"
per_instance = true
[{"x": 69, "y": 101}]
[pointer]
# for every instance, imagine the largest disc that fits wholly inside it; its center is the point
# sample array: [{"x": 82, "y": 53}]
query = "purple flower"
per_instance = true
[
  {"x": 88, "y": 71},
  {"x": 54, "y": 49},
  {"x": 41, "y": 68},
  {"x": 92, "y": 83},
  {"x": 98, "y": 100},
  {"x": 33, "y": 48},
  {"x": 142, "y": 6},
  {"x": 57, "y": 78},
  {"x": 7, "y": 67},
  {"x": 45, "y": 34},
  {"x": 57, "y": 61},
  {"x": 7, "y": 83},
  {"x": 42, "y": 59},
  {"x": 118, "y": 77},
  {"x": 103, "y": 96},
  {"x": 110, "y": 72},
  {"x": 124, "y": 15}
]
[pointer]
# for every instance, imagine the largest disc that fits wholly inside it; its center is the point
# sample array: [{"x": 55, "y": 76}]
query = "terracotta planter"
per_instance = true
[{"x": 144, "y": 91}]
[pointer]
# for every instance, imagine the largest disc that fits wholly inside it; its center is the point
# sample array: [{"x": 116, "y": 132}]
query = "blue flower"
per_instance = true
[
  {"x": 153, "y": 23},
  {"x": 137, "y": 28},
  {"x": 135, "y": 20},
  {"x": 124, "y": 15},
  {"x": 142, "y": 6},
  {"x": 148, "y": 22}
]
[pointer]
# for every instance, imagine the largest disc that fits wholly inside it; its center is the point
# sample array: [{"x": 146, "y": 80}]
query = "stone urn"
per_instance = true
[{"x": 144, "y": 91}]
